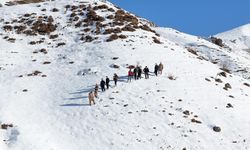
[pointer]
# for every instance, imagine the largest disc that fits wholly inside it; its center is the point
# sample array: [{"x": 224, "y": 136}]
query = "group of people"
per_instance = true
[
  {"x": 136, "y": 73},
  {"x": 104, "y": 85}
]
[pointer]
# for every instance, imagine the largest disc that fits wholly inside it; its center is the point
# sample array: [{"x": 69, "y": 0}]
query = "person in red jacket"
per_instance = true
[{"x": 130, "y": 75}]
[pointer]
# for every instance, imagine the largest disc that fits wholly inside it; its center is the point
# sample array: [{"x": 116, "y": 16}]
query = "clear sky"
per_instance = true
[{"x": 198, "y": 17}]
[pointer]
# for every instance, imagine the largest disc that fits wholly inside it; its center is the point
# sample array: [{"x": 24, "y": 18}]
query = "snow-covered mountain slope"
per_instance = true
[
  {"x": 236, "y": 62},
  {"x": 238, "y": 38},
  {"x": 53, "y": 53}
]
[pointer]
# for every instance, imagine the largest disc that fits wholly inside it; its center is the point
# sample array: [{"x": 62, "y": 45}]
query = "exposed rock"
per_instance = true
[
  {"x": 218, "y": 80},
  {"x": 224, "y": 74},
  {"x": 53, "y": 36},
  {"x": 229, "y": 105},
  {"x": 25, "y": 90},
  {"x": 247, "y": 84},
  {"x": 146, "y": 28},
  {"x": 192, "y": 51},
  {"x": 115, "y": 66},
  {"x": 46, "y": 62},
  {"x": 227, "y": 86},
  {"x": 225, "y": 69},
  {"x": 207, "y": 79},
  {"x": 87, "y": 38},
  {"x": 196, "y": 121},
  {"x": 7, "y": 28},
  {"x": 157, "y": 41},
  {"x": 43, "y": 51},
  {"x": 112, "y": 37},
  {"x": 61, "y": 44},
  {"x": 216, "y": 129},
  {"x": 55, "y": 10},
  {"x": 122, "y": 36},
  {"x": 110, "y": 17},
  {"x": 101, "y": 7},
  {"x": 115, "y": 58},
  {"x": 34, "y": 73},
  {"x": 186, "y": 112},
  {"x": 128, "y": 28},
  {"x": 171, "y": 77},
  {"x": 20, "y": 28},
  {"x": 217, "y": 41},
  {"x": 12, "y": 40},
  {"x": 6, "y": 126}
]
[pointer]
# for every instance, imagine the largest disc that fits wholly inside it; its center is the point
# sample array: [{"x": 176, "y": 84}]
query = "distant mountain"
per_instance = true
[{"x": 238, "y": 38}]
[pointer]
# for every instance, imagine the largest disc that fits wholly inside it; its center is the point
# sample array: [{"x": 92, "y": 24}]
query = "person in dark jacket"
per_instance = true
[
  {"x": 139, "y": 73},
  {"x": 96, "y": 91},
  {"x": 156, "y": 69},
  {"x": 115, "y": 78},
  {"x": 102, "y": 84},
  {"x": 107, "y": 82},
  {"x": 146, "y": 72},
  {"x": 135, "y": 73}
]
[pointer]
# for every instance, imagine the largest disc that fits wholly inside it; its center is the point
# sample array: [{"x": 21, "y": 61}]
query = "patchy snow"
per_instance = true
[{"x": 52, "y": 111}]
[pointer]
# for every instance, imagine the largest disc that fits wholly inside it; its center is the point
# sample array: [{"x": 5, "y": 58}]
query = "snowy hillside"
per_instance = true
[
  {"x": 237, "y": 39},
  {"x": 53, "y": 54},
  {"x": 236, "y": 62}
]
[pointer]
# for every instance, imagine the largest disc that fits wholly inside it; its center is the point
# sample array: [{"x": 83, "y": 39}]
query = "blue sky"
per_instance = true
[{"x": 198, "y": 17}]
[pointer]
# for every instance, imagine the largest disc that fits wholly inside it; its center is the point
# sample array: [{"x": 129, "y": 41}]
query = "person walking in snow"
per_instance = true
[
  {"x": 130, "y": 75},
  {"x": 107, "y": 82},
  {"x": 115, "y": 78},
  {"x": 91, "y": 98},
  {"x": 146, "y": 72},
  {"x": 135, "y": 73},
  {"x": 139, "y": 73},
  {"x": 156, "y": 69},
  {"x": 102, "y": 84},
  {"x": 160, "y": 68},
  {"x": 96, "y": 91}
]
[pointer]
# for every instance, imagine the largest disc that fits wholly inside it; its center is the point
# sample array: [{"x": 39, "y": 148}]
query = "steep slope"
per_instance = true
[{"x": 53, "y": 53}]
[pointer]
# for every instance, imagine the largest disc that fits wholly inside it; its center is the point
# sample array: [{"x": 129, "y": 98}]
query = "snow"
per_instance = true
[
  {"x": 238, "y": 38},
  {"x": 146, "y": 114}
]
